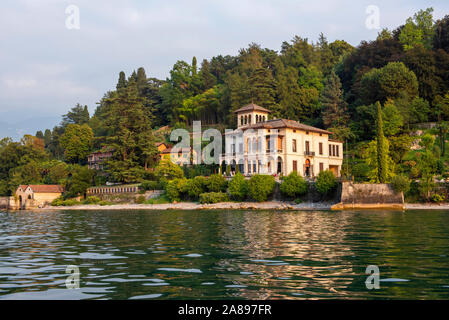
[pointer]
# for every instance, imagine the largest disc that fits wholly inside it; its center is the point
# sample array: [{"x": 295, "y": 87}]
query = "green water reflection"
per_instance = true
[{"x": 224, "y": 254}]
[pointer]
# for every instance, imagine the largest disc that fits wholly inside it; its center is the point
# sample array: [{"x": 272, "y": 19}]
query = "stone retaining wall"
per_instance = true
[{"x": 369, "y": 196}]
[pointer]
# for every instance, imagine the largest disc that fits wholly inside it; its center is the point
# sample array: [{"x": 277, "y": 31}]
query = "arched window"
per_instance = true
[
  {"x": 257, "y": 118},
  {"x": 248, "y": 145},
  {"x": 241, "y": 120},
  {"x": 263, "y": 118},
  {"x": 246, "y": 119}
]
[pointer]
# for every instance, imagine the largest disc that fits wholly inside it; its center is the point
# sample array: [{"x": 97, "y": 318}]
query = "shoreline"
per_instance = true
[
  {"x": 189, "y": 206},
  {"x": 269, "y": 205}
]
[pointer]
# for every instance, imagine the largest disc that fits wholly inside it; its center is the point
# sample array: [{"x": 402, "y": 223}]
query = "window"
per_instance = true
[
  {"x": 321, "y": 166},
  {"x": 263, "y": 118},
  {"x": 241, "y": 120},
  {"x": 338, "y": 151},
  {"x": 246, "y": 119},
  {"x": 241, "y": 147},
  {"x": 307, "y": 147},
  {"x": 321, "y": 148},
  {"x": 294, "y": 145},
  {"x": 333, "y": 150},
  {"x": 249, "y": 119},
  {"x": 330, "y": 150},
  {"x": 257, "y": 118},
  {"x": 295, "y": 166},
  {"x": 307, "y": 132}
]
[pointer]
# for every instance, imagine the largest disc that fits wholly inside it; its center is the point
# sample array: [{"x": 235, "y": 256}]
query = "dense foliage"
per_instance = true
[
  {"x": 238, "y": 187},
  {"x": 400, "y": 81},
  {"x": 293, "y": 185},
  {"x": 325, "y": 182},
  {"x": 260, "y": 187}
]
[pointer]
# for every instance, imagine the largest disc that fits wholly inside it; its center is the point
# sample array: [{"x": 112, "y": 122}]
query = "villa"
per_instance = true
[{"x": 279, "y": 146}]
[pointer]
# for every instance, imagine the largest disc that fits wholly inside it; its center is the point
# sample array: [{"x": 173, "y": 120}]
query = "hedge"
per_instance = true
[
  {"x": 238, "y": 187},
  {"x": 261, "y": 186},
  {"x": 293, "y": 185},
  {"x": 213, "y": 197}
]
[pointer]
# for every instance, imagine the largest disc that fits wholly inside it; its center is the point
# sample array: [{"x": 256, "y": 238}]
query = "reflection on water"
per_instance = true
[{"x": 224, "y": 254}]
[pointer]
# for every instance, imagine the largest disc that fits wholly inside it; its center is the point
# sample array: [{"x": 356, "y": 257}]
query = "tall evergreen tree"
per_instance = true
[
  {"x": 262, "y": 88},
  {"x": 76, "y": 115},
  {"x": 381, "y": 156},
  {"x": 121, "y": 81},
  {"x": 207, "y": 77},
  {"x": 332, "y": 103}
]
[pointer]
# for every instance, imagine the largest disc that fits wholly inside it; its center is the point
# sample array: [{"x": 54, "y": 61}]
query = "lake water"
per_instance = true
[{"x": 224, "y": 254}]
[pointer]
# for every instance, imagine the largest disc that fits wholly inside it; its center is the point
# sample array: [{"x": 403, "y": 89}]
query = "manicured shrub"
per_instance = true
[
  {"x": 293, "y": 185},
  {"x": 228, "y": 170},
  {"x": 214, "y": 197},
  {"x": 325, "y": 182},
  {"x": 216, "y": 183},
  {"x": 400, "y": 183},
  {"x": 140, "y": 199},
  {"x": 261, "y": 186},
  {"x": 196, "y": 186},
  {"x": 175, "y": 189},
  {"x": 92, "y": 200},
  {"x": 238, "y": 187}
]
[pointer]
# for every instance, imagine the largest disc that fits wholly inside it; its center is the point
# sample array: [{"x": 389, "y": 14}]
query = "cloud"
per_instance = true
[{"x": 46, "y": 68}]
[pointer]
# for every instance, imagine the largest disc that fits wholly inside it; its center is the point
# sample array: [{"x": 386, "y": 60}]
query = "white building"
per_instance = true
[{"x": 279, "y": 146}]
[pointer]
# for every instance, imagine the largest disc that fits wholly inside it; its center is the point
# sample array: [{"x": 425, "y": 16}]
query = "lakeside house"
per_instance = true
[
  {"x": 96, "y": 159},
  {"x": 279, "y": 146},
  {"x": 35, "y": 196}
]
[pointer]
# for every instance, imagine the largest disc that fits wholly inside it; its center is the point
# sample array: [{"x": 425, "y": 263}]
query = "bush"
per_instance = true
[
  {"x": 293, "y": 185},
  {"x": 216, "y": 183},
  {"x": 325, "y": 182},
  {"x": 149, "y": 185},
  {"x": 238, "y": 187},
  {"x": 159, "y": 200},
  {"x": 57, "y": 202},
  {"x": 196, "y": 186},
  {"x": 140, "y": 199},
  {"x": 104, "y": 203},
  {"x": 70, "y": 202},
  {"x": 261, "y": 186},
  {"x": 92, "y": 200},
  {"x": 174, "y": 189},
  {"x": 437, "y": 198},
  {"x": 213, "y": 197},
  {"x": 400, "y": 183}
]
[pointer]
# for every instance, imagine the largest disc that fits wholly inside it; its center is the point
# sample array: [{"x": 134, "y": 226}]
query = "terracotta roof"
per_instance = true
[
  {"x": 185, "y": 150},
  {"x": 284, "y": 123},
  {"x": 252, "y": 107},
  {"x": 53, "y": 188},
  {"x": 165, "y": 151}
]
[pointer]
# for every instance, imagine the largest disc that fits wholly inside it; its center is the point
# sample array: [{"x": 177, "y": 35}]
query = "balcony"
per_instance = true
[{"x": 309, "y": 153}]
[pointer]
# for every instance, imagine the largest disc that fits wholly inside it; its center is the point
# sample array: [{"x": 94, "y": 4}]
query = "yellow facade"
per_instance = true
[{"x": 279, "y": 146}]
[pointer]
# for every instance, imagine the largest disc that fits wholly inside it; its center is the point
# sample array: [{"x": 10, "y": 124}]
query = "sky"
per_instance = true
[{"x": 47, "y": 67}]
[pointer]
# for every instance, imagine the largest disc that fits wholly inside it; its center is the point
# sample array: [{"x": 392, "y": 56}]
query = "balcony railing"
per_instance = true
[{"x": 309, "y": 153}]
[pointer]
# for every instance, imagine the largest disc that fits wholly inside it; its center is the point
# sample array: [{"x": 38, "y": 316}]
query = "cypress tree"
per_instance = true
[
  {"x": 121, "y": 81},
  {"x": 381, "y": 156},
  {"x": 194, "y": 66}
]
